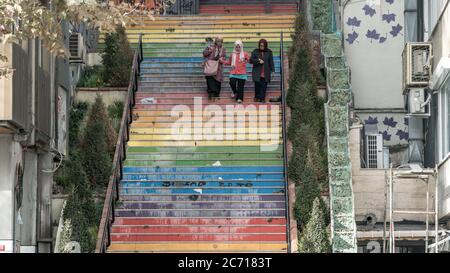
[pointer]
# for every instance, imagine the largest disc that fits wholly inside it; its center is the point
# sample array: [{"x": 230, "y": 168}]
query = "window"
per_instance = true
[{"x": 444, "y": 120}]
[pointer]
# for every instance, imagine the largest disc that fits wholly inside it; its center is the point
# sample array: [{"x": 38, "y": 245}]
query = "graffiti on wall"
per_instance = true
[
  {"x": 374, "y": 13},
  {"x": 393, "y": 127}
]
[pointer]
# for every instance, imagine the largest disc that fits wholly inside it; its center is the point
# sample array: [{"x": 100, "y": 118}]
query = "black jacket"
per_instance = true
[{"x": 269, "y": 66}]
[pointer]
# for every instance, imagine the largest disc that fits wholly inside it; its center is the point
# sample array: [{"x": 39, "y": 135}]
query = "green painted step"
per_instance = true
[
  {"x": 192, "y": 163},
  {"x": 203, "y": 149},
  {"x": 204, "y": 156}
]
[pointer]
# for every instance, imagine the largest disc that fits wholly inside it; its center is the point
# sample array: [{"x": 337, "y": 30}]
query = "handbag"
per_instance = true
[{"x": 211, "y": 67}]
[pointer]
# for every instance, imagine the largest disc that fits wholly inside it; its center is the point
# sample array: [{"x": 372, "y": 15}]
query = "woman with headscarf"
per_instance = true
[
  {"x": 215, "y": 53},
  {"x": 238, "y": 74},
  {"x": 263, "y": 66}
]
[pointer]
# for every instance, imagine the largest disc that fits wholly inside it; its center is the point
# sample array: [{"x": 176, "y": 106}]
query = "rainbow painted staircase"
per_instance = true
[
  {"x": 201, "y": 195},
  {"x": 248, "y": 6}
]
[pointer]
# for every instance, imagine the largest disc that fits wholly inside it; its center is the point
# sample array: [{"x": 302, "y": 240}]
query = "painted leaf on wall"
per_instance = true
[
  {"x": 389, "y": 17},
  {"x": 396, "y": 30},
  {"x": 369, "y": 11},
  {"x": 371, "y": 120},
  {"x": 402, "y": 135},
  {"x": 390, "y": 122},
  {"x": 390, "y": 1},
  {"x": 373, "y": 35},
  {"x": 352, "y": 37},
  {"x": 386, "y": 135}
]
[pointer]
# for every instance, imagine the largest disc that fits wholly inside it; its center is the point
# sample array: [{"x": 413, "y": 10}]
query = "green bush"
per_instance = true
[
  {"x": 315, "y": 238},
  {"x": 97, "y": 145},
  {"x": 92, "y": 77},
  {"x": 81, "y": 208},
  {"x": 117, "y": 58},
  {"x": 308, "y": 163},
  {"x": 115, "y": 112}
]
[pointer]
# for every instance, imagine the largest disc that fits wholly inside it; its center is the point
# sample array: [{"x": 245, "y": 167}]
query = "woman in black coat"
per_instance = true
[{"x": 263, "y": 66}]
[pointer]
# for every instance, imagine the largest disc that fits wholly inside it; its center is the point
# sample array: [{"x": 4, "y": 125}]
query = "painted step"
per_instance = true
[
  {"x": 203, "y": 156},
  {"x": 200, "y": 206},
  {"x": 247, "y": 162},
  {"x": 194, "y": 149},
  {"x": 198, "y": 229},
  {"x": 204, "y": 198},
  {"x": 204, "y": 184},
  {"x": 197, "y": 247},
  {"x": 202, "y": 213},
  {"x": 198, "y": 237}
]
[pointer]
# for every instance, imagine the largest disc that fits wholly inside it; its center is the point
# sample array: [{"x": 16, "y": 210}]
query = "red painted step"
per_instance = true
[
  {"x": 198, "y": 221},
  {"x": 199, "y": 238}
]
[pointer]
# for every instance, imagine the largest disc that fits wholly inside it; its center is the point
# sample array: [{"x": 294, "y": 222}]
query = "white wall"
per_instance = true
[
  {"x": 10, "y": 155},
  {"x": 376, "y": 64}
]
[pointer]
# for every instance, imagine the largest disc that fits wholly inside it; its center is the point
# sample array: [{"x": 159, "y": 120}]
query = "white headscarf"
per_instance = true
[{"x": 241, "y": 55}]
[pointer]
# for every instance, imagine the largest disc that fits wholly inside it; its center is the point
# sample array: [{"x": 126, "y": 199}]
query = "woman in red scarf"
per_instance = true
[{"x": 263, "y": 66}]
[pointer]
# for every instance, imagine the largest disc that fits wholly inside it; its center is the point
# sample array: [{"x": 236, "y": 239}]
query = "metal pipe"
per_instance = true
[
  {"x": 426, "y": 219},
  {"x": 391, "y": 225},
  {"x": 436, "y": 210}
]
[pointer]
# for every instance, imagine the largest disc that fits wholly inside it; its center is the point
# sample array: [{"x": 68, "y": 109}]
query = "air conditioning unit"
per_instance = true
[
  {"x": 76, "y": 48},
  {"x": 416, "y": 101},
  {"x": 374, "y": 151},
  {"x": 417, "y": 65}
]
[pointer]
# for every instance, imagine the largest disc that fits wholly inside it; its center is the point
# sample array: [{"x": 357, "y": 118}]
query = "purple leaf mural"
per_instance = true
[
  {"x": 390, "y": 122},
  {"x": 390, "y": 1},
  {"x": 383, "y": 39},
  {"x": 396, "y": 30},
  {"x": 373, "y": 35},
  {"x": 371, "y": 120},
  {"x": 354, "y": 22},
  {"x": 402, "y": 135},
  {"x": 352, "y": 37},
  {"x": 369, "y": 11},
  {"x": 389, "y": 17},
  {"x": 386, "y": 136},
  {"x": 406, "y": 121}
]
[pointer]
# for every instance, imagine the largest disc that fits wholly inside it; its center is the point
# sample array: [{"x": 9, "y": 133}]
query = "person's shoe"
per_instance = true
[
  {"x": 262, "y": 100},
  {"x": 278, "y": 99},
  {"x": 239, "y": 101},
  {"x": 255, "y": 100},
  {"x": 233, "y": 95},
  {"x": 210, "y": 96}
]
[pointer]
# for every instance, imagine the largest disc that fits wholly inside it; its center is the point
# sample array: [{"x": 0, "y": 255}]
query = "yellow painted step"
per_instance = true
[
  {"x": 206, "y": 31},
  {"x": 201, "y": 39},
  {"x": 159, "y": 113},
  {"x": 242, "y": 130},
  {"x": 205, "y": 35},
  {"x": 205, "y": 118},
  {"x": 217, "y": 17},
  {"x": 135, "y": 125},
  {"x": 251, "y": 136},
  {"x": 198, "y": 247},
  {"x": 277, "y": 25},
  {"x": 181, "y": 143}
]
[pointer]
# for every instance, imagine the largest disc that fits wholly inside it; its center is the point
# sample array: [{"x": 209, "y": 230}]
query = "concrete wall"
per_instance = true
[
  {"x": 109, "y": 95},
  {"x": 441, "y": 37},
  {"x": 444, "y": 190},
  {"x": 369, "y": 188},
  {"x": 10, "y": 156}
]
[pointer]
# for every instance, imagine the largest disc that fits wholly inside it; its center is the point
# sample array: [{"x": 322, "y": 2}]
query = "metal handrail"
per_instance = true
[
  {"x": 285, "y": 153},
  {"x": 112, "y": 192}
]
